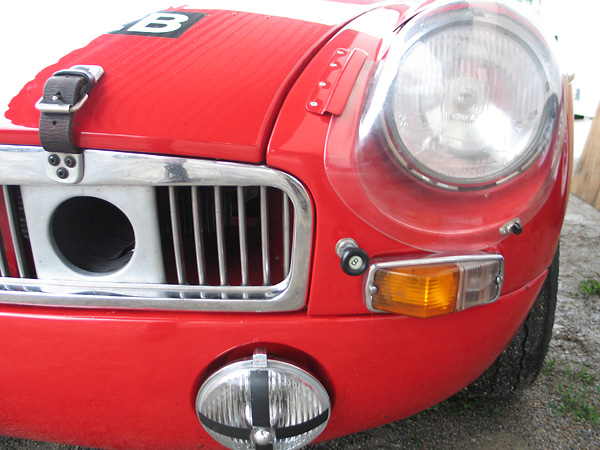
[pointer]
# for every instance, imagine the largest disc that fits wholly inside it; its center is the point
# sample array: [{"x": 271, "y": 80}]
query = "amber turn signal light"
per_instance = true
[{"x": 433, "y": 287}]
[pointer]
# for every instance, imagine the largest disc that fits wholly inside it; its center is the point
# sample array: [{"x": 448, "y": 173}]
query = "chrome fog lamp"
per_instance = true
[{"x": 263, "y": 404}]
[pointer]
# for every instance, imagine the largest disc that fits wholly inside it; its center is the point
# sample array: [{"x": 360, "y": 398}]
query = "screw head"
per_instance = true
[
  {"x": 62, "y": 173},
  {"x": 70, "y": 162},
  {"x": 262, "y": 436},
  {"x": 54, "y": 160}
]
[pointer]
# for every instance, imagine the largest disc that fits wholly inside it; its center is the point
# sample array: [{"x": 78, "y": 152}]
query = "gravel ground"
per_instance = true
[{"x": 561, "y": 410}]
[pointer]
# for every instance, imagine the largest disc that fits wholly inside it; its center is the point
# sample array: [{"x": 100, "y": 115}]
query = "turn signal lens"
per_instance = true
[
  {"x": 436, "y": 286},
  {"x": 424, "y": 291}
]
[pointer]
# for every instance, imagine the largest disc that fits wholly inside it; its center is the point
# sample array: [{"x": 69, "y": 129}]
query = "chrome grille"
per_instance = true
[
  {"x": 229, "y": 237},
  {"x": 219, "y": 236}
]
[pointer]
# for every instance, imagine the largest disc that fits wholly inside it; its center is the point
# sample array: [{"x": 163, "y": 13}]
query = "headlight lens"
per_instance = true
[{"x": 460, "y": 111}]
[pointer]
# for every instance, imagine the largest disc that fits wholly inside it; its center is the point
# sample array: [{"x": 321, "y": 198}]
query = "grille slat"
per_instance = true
[
  {"x": 198, "y": 237},
  {"x": 12, "y": 217},
  {"x": 3, "y": 262},
  {"x": 264, "y": 236},
  {"x": 177, "y": 237},
  {"x": 207, "y": 235},
  {"x": 241, "y": 205},
  {"x": 221, "y": 251}
]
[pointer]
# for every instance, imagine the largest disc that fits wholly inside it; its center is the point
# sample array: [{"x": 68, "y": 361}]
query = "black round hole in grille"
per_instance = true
[{"x": 93, "y": 234}]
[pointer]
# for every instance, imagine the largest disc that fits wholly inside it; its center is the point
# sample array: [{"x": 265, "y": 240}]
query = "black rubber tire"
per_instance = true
[{"x": 521, "y": 362}]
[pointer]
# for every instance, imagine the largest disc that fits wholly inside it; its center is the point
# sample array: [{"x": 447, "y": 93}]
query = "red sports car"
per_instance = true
[{"x": 255, "y": 224}]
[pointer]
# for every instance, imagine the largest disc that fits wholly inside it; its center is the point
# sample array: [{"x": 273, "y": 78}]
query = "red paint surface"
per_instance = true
[
  {"x": 129, "y": 380},
  {"x": 214, "y": 91},
  {"x": 297, "y": 145}
]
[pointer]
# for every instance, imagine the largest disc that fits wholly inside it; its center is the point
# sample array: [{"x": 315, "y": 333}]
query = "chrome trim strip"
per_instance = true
[
  {"x": 25, "y": 165},
  {"x": 369, "y": 284},
  {"x": 286, "y": 235},
  {"x": 28, "y": 291}
]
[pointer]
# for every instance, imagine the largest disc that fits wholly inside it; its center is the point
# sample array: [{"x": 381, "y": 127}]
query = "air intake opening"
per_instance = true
[{"x": 93, "y": 235}]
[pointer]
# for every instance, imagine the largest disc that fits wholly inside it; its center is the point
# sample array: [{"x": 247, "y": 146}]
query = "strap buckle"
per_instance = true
[
  {"x": 91, "y": 73},
  {"x": 60, "y": 108}
]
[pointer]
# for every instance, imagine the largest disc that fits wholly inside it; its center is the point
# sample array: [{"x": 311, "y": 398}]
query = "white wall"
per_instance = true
[{"x": 576, "y": 24}]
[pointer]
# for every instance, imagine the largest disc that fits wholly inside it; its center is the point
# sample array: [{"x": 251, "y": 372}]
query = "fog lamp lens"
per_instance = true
[
  {"x": 434, "y": 287},
  {"x": 262, "y": 404}
]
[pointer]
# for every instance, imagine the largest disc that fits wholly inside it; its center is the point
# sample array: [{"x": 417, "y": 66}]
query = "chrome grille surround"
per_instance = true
[{"x": 24, "y": 166}]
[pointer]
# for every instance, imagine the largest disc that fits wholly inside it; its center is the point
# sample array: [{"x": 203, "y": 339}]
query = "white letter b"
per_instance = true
[{"x": 159, "y": 23}]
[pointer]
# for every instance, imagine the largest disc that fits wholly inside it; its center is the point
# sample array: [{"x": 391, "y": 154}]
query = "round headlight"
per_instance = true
[{"x": 473, "y": 98}]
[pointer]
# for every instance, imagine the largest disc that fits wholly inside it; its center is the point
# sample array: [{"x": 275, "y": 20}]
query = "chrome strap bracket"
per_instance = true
[{"x": 65, "y": 167}]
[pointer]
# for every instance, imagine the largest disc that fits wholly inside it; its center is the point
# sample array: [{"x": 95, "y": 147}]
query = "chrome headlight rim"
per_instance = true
[
  {"x": 433, "y": 178},
  {"x": 494, "y": 16}
]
